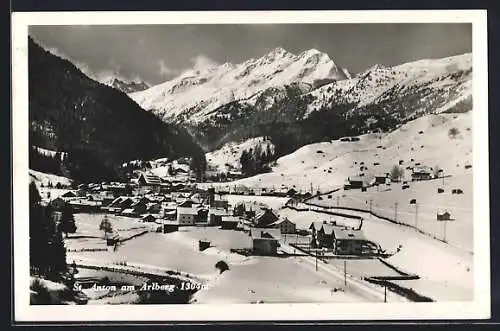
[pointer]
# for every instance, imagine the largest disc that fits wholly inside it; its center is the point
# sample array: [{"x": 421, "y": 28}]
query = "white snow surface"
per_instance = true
[
  {"x": 372, "y": 84},
  {"x": 192, "y": 95},
  {"x": 327, "y": 165},
  {"x": 228, "y": 156}
]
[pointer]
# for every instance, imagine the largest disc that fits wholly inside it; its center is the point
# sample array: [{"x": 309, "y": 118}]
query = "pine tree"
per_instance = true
[
  {"x": 170, "y": 170},
  {"x": 47, "y": 251},
  {"x": 105, "y": 225},
  {"x": 67, "y": 220},
  {"x": 57, "y": 252},
  {"x": 244, "y": 161}
]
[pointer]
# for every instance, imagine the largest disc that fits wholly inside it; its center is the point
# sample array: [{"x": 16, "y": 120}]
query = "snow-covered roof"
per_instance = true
[
  {"x": 151, "y": 179},
  {"x": 227, "y": 218},
  {"x": 218, "y": 211},
  {"x": 187, "y": 211},
  {"x": 350, "y": 234},
  {"x": 265, "y": 233}
]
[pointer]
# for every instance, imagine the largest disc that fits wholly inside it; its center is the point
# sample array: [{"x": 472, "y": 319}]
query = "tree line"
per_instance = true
[
  {"x": 46, "y": 228},
  {"x": 256, "y": 160}
]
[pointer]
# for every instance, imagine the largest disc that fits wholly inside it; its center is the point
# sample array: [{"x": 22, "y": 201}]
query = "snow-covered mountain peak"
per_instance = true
[
  {"x": 196, "y": 93},
  {"x": 278, "y": 52},
  {"x": 312, "y": 52},
  {"x": 123, "y": 84}
]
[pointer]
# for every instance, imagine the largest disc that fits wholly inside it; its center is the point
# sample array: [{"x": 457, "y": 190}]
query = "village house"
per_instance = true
[
  {"x": 148, "y": 218},
  {"x": 265, "y": 241},
  {"x": 57, "y": 203},
  {"x": 140, "y": 206},
  {"x": 421, "y": 173},
  {"x": 170, "y": 226},
  {"x": 348, "y": 241},
  {"x": 224, "y": 204},
  {"x": 129, "y": 212},
  {"x": 119, "y": 204},
  {"x": 182, "y": 202},
  {"x": 149, "y": 181},
  {"x": 286, "y": 226},
  {"x": 443, "y": 216},
  {"x": 323, "y": 235},
  {"x": 68, "y": 195},
  {"x": 229, "y": 222},
  {"x": 354, "y": 182},
  {"x": 215, "y": 215},
  {"x": 381, "y": 179},
  {"x": 85, "y": 205},
  {"x": 186, "y": 215},
  {"x": 265, "y": 218}
]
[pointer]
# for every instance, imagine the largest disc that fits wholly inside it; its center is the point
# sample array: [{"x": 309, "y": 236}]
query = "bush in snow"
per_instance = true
[
  {"x": 453, "y": 133},
  {"x": 396, "y": 173}
]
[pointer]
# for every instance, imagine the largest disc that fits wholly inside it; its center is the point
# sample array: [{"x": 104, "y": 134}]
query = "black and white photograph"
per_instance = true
[{"x": 334, "y": 165}]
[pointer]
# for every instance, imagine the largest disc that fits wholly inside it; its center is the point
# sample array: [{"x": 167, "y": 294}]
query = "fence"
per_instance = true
[{"x": 378, "y": 215}]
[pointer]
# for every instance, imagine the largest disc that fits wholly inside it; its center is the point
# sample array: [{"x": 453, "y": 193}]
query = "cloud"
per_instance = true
[
  {"x": 166, "y": 71},
  {"x": 201, "y": 62},
  {"x": 80, "y": 65}
]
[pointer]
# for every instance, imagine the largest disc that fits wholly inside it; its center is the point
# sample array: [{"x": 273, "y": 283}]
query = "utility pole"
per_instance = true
[
  {"x": 345, "y": 273},
  {"x": 385, "y": 293},
  {"x": 416, "y": 215},
  {"x": 396, "y": 211},
  {"x": 316, "y": 255},
  {"x": 444, "y": 230},
  {"x": 338, "y": 201}
]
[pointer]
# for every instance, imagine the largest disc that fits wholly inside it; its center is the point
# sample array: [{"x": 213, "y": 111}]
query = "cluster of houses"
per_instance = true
[
  {"x": 283, "y": 191},
  {"x": 363, "y": 180},
  {"x": 150, "y": 202},
  {"x": 340, "y": 239}
]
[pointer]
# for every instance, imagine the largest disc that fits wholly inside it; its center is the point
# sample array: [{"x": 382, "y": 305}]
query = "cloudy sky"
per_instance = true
[{"x": 156, "y": 53}]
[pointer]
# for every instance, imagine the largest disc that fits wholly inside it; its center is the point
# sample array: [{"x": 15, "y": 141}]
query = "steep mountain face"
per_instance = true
[
  {"x": 380, "y": 98},
  {"x": 195, "y": 93},
  {"x": 302, "y": 99},
  {"x": 98, "y": 126},
  {"x": 126, "y": 86}
]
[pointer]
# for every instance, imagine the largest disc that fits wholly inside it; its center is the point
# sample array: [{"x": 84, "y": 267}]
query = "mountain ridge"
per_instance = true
[
  {"x": 98, "y": 126},
  {"x": 197, "y": 91}
]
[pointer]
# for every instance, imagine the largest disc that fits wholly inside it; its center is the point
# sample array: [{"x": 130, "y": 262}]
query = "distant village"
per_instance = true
[{"x": 175, "y": 200}]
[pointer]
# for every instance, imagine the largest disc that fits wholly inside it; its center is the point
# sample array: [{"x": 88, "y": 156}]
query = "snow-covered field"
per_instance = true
[
  {"x": 445, "y": 270},
  {"x": 88, "y": 235},
  {"x": 249, "y": 279},
  {"x": 41, "y": 177},
  {"x": 327, "y": 165},
  {"x": 458, "y": 232}
]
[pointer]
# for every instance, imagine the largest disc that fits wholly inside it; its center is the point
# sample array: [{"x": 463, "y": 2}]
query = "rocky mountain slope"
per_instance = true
[
  {"x": 195, "y": 93},
  {"x": 303, "y": 99},
  {"x": 126, "y": 86},
  {"x": 98, "y": 126}
]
